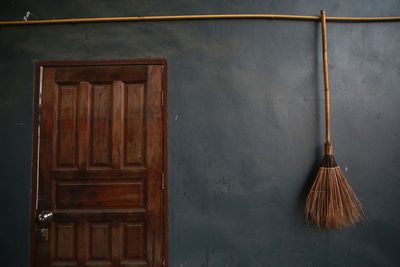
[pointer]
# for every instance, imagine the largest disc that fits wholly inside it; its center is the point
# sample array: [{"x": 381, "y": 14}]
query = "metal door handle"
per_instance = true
[{"x": 45, "y": 216}]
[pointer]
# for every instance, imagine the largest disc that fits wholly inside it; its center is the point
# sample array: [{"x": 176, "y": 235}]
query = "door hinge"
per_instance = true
[
  {"x": 162, "y": 181},
  {"x": 162, "y": 98}
]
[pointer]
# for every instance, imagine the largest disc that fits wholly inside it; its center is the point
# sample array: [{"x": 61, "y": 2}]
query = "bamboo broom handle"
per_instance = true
[{"x": 328, "y": 146}]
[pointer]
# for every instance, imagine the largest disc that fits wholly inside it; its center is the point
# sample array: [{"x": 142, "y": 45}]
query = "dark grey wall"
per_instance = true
[{"x": 245, "y": 128}]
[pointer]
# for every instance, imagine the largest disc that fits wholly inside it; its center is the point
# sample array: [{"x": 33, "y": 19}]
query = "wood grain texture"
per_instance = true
[
  {"x": 99, "y": 241},
  {"x": 100, "y": 195},
  {"x": 117, "y": 124},
  {"x": 65, "y": 246},
  {"x": 84, "y": 104},
  {"x": 135, "y": 73},
  {"x": 66, "y": 126},
  {"x": 134, "y": 241},
  {"x": 101, "y": 160},
  {"x": 154, "y": 159},
  {"x": 101, "y": 121},
  {"x": 134, "y": 125}
]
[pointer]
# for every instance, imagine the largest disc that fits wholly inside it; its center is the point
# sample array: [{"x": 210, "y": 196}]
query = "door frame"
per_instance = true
[{"x": 39, "y": 65}]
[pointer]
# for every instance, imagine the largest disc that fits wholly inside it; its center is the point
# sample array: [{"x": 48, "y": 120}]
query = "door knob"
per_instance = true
[{"x": 45, "y": 216}]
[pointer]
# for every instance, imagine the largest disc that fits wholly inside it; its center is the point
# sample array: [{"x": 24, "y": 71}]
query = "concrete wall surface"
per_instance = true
[{"x": 245, "y": 123}]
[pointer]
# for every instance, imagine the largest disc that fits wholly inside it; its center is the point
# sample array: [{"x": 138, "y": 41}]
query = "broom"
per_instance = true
[{"x": 331, "y": 202}]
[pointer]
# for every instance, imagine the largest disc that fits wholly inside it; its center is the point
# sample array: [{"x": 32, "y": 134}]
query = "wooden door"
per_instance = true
[{"x": 100, "y": 190}]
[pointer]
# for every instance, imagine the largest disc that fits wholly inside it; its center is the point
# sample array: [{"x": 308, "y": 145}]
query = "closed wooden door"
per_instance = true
[{"x": 100, "y": 190}]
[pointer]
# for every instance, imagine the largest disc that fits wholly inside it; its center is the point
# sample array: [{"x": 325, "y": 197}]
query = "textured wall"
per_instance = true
[{"x": 245, "y": 123}]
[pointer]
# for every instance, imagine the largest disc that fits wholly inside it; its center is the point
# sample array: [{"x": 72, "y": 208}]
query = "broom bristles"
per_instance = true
[{"x": 331, "y": 202}]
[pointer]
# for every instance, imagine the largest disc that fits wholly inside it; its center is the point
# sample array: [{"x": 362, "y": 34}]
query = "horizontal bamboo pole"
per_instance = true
[{"x": 199, "y": 17}]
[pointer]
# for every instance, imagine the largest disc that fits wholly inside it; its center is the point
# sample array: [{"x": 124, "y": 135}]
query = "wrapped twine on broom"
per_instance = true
[{"x": 331, "y": 202}]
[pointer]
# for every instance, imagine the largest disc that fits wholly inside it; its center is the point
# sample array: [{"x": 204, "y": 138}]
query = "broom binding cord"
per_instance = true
[
  {"x": 328, "y": 145},
  {"x": 328, "y": 148}
]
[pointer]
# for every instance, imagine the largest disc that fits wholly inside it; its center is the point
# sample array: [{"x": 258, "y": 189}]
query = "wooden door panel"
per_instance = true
[
  {"x": 99, "y": 194},
  {"x": 116, "y": 119},
  {"x": 99, "y": 241},
  {"x": 101, "y": 166},
  {"x": 128, "y": 73},
  {"x": 134, "y": 240},
  {"x": 134, "y": 134},
  {"x": 103, "y": 243},
  {"x": 66, "y": 137},
  {"x": 64, "y": 243},
  {"x": 100, "y": 137}
]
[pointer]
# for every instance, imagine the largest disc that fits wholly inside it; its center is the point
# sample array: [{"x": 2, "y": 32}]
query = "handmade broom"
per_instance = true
[{"x": 331, "y": 202}]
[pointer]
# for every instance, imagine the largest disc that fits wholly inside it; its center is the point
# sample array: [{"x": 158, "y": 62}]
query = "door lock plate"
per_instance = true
[{"x": 44, "y": 234}]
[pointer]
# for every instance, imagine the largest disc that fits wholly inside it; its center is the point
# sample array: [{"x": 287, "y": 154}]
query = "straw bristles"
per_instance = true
[{"x": 331, "y": 202}]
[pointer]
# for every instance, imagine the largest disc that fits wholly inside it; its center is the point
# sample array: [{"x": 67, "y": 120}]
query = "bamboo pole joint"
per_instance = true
[{"x": 199, "y": 17}]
